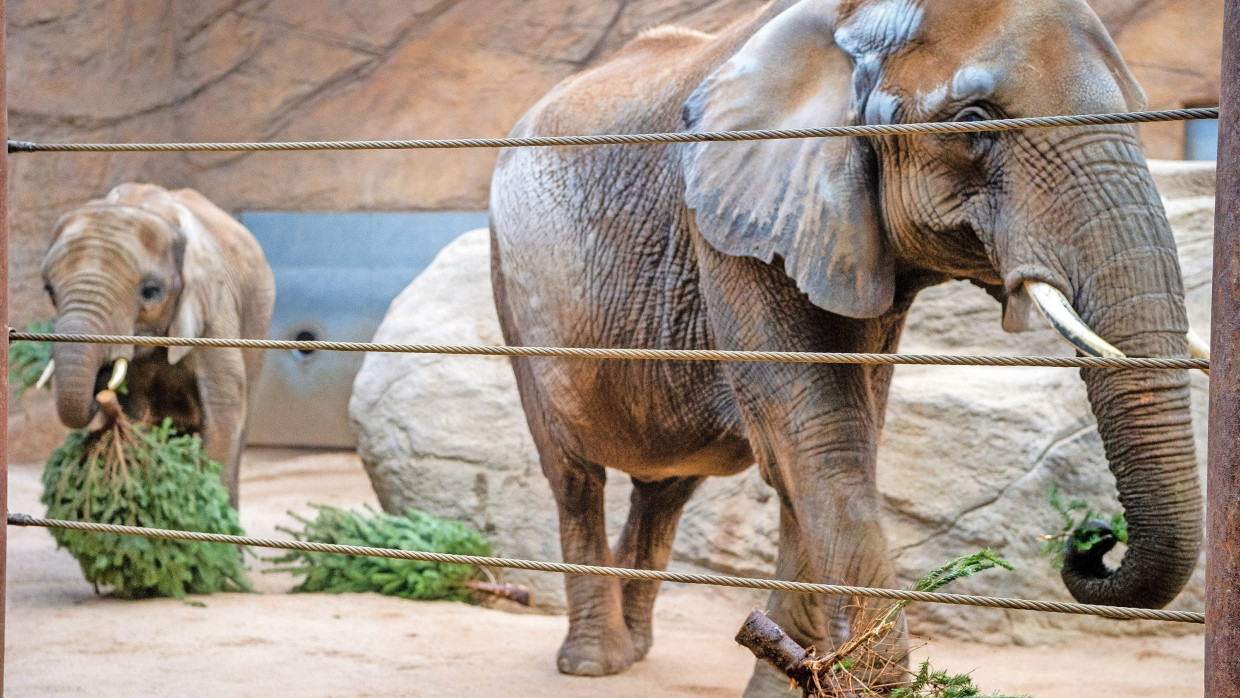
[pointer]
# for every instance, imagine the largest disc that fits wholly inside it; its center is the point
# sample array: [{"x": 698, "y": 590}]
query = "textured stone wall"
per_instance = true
[
  {"x": 289, "y": 69},
  {"x": 131, "y": 70}
]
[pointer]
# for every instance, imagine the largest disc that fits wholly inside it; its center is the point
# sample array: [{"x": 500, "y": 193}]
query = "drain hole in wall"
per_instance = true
[{"x": 305, "y": 336}]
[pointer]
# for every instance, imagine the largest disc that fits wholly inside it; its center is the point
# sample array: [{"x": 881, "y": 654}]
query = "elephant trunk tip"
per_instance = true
[
  {"x": 1088, "y": 564},
  {"x": 78, "y": 416},
  {"x": 78, "y": 380},
  {"x": 1134, "y": 584}
]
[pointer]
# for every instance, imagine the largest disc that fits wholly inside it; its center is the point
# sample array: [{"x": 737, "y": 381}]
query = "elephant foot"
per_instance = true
[
  {"x": 642, "y": 634},
  {"x": 582, "y": 655},
  {"x": 768, "y": 682}
]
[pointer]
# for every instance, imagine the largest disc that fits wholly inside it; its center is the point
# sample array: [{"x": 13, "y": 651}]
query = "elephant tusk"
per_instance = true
[
  {"x": 46, "y": 376},
  {"x": 1054, "y": 306},
  {"x": 119, "y": 368},
  {"x": 1198, "y": 349}
]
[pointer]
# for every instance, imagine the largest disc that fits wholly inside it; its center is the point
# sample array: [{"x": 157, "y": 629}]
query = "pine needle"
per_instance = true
[
  {"x": 1080, "y": 530},
  {"x": 846, "y": 671},
  {"x": 408, "y": 579},
  {"x": 138, "y": 475}
]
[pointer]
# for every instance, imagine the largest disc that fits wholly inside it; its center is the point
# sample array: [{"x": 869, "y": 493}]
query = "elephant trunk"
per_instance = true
[
  {"x": 77, "y": 372},
  {"x": 1126, "y": 281},
  {"x": 1143, "y": 417}
]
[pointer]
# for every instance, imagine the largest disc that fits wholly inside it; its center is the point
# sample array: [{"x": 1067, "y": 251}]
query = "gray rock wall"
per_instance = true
[{"x": 965, "y": 462}]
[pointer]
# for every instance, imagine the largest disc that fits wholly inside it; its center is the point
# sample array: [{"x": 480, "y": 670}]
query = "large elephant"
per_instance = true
[
  {"x": 821, "y": 245},
  {"x": 148, "y": 261}
]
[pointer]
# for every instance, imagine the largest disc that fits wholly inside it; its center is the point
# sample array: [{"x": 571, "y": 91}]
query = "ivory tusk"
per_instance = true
[
  {"x": 1054, "y": 306},
  {"x": 46, "y": 376},
  {"x": 1198, "y": 349},
  {"x": 119, "y": 368}
]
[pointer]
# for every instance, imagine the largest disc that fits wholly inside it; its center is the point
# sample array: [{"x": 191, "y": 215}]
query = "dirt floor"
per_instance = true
[{"x": 62, "y": 639}]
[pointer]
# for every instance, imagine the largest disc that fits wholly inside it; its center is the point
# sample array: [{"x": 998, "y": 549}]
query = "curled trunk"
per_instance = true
[
  {"x": 1128, "y": 289},
  {"x": 1143, "y": 418}
]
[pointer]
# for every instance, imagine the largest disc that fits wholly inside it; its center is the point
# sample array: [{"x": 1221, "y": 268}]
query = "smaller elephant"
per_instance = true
[{"x": 146, "y": 261}]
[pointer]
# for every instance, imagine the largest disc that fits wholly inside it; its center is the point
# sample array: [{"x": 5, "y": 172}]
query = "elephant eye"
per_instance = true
[
  {"x": 151, "y": 292},
  {"x": 981, "y": 142},
  {"x": 972, "y": 114},
  {"x": 50, "y": 293}
]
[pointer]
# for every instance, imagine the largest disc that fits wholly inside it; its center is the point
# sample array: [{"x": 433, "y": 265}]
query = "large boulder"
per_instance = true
[{"x": 966, "y": 458}]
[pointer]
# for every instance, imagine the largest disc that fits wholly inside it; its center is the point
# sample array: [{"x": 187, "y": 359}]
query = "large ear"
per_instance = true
[
  {"x": 810, "y": 202},
  {"x": 201, "y": 278}
]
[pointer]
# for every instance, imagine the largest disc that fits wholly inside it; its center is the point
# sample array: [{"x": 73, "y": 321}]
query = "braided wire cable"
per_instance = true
[
  {"x": 1114, "y": 612},
  {"x": 624, "y": 354},
  {"x": 634, "y": 139}
]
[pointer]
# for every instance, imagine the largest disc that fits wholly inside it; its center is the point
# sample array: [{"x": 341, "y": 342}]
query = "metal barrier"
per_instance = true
[
  {"x": 1223, "y": 478},
  {"x": 1113, "y": 612}
]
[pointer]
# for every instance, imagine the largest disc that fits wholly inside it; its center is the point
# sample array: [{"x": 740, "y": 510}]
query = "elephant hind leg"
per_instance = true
[
  {"x": 598, "y": 641},
  {"x": 646, "y": 543}
]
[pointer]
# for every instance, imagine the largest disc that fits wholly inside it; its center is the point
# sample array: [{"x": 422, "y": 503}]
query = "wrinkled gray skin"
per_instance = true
[
  {"x": 821, "y": 245},
  {"x": 148, "y": 261}
]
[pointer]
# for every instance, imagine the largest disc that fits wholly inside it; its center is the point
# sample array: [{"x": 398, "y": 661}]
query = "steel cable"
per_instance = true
[
  {"x": 634, "y": 139},
  {"x": 1114, "y": 612},
  {"x": 624, "y": 354}
]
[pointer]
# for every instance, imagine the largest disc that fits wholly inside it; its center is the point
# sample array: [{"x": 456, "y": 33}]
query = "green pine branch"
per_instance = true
[
  {"x": 1076, "y": 530},
  {"x": 28, "y": 359},
  {"x": 409, "y": 579},
  {"x": 138, "y": 475}
]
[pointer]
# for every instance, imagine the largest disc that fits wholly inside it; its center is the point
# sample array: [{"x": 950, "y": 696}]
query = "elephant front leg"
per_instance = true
[
  {"x": 802, "y": 616},
  {"x": 222, "y": 390},
  {"x": 224, "y": 441},
  {"x": 814, "y": 430},
  {"x": 851, "y": 549},
  {"x": 598, "y": 642},
  {"x": 646, "y": 543}
]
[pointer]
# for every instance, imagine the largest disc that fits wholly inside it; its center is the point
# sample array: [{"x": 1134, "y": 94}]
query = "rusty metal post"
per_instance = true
[
  {"x": 1223, "y": 481},
  {"x": 4, "y": 345}
]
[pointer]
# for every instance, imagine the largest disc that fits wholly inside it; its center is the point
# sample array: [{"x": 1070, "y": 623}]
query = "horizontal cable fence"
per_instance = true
[
  {"x": 1113, "y": 612},
  {"x": 998, "y": 125},
  {"x": 942, "y": 127},
  {"x": 625, "y": 354}
]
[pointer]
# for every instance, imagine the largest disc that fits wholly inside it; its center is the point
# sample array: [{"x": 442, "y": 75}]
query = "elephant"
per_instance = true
[
  {"x": 147, "y": 261},
  {"x": 822, "y": 245}
]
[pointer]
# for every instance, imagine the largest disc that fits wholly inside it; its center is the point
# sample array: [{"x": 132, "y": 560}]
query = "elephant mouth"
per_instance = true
[
  {"x": 111, "y": 377},
  {"x": 1053, "y": 305}
]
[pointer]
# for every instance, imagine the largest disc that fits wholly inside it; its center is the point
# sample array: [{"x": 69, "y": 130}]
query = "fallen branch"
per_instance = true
[
  {"x": 771, "y": 644},
  {"x": 851, "y": 669}
]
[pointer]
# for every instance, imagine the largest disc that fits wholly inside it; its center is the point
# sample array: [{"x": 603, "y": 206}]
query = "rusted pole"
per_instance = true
[
  {"x": 4, "y": 345},
  {"x": 1223, "y": 481}
]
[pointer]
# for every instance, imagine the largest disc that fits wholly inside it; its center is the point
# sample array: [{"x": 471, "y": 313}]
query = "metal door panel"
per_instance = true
[{"x": 336, "y": 274}]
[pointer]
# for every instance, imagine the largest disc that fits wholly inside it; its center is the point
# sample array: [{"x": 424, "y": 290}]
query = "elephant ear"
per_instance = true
[
  {"x": 808, "y": 202},
  {"x": 202, "y": 274}
]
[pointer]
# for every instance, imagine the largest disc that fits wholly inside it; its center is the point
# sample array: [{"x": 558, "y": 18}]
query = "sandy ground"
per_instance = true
[{"x": 62, "y": 639}]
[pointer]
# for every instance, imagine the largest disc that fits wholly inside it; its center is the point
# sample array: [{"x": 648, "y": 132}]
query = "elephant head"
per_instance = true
[
  {"x": 1072, "y": 211},
  {"x": 133, "y": 263}
]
